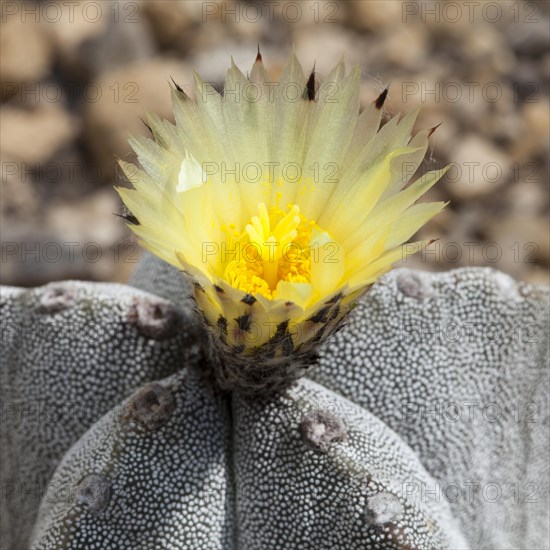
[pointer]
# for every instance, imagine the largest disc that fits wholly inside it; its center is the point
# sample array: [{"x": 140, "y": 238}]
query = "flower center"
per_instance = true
[{"x": 275, "y": 246}]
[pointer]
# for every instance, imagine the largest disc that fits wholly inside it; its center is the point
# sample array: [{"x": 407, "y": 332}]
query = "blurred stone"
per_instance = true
[
  {"x": 211, "y": 58},
  {"x": 503, "y": 128},
  {"x": 480, "y": 168},
  {"x": 91, "y": 38},
  {"x": 405, "y": 46},
  {"x": 527, "y": 81},
  {"x": 492, "y": 110},
  {"x": 531, "y": 38},
  {"x": 487, "y": 43},
  {"x": 68, "y": 175},
  {"x": 34, "y": 135},
  {"x": 537, "y": 276},
  {"x": 249, "y": 29},
  {"x": 374, "y": 15},
  {"x": 127, "y": 41},
  {"x": 325, "y": 45},
  {"x": 93, "y": 221},
  {"x": 18, "y": 197},
  {"x": 81, "y": 23},
  {"x": 126, "y": 95},
  {"x": 524, "y": 241},
  {"x": 420, "y": 89},
  {"x": 170, "y": 20},
  {"x": 528, "y": 196},
  {"x": 534, "y": 140},
  {"x": 466, "y": 103},
  {"x": 26, "y": 53},
  {"x": 70, "y": 241}
]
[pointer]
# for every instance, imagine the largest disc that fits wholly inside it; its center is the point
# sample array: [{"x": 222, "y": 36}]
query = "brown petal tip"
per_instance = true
[
  {"x": 178, "y": 87},
  {"x": 379, "y": 102},
  {"x": 309, "y": 92},
  {"x": 434, "y": 129}
]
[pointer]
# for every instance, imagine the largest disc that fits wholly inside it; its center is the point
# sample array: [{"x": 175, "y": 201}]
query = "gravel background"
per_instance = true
[{"x": 77, "y": 77}]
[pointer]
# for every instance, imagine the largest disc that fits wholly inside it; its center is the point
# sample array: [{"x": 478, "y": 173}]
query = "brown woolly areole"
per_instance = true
[{"x": 273, "y": 367}]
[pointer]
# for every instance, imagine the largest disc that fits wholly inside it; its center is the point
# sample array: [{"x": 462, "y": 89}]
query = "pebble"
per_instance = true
[
  {"x": 374, "y": 15},
  {"x": 480, "y": 169},
  {"x": 27, "y": 54},
  {"x": 127, "y": 94},
  {"x": 133, "y": 59},
  {"x": 33, "y": 136},
  {"x": 170, "y": 21}
]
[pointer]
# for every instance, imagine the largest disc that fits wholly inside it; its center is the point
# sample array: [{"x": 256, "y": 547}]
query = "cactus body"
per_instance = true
[{"x": 358, "y": 455}]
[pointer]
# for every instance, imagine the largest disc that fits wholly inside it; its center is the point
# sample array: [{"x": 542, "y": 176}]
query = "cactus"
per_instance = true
[
  {"x": 349, "y": 457},
  {"x": 169, "y": 423},
  {"x": 71, "y": 352}
]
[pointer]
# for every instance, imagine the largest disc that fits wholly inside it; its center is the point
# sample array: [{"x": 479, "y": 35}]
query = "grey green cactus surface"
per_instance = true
[{"x": 424, "y": 424}]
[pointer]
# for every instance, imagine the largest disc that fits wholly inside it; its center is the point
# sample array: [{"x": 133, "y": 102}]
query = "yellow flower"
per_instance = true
[{"x": 282, "y": 204}]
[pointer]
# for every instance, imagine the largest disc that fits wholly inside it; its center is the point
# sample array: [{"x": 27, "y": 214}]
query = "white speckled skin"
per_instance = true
[
  {"x": 62, "y": 370},
  {"x": 185, "y": 485},
  {"x": 170, "y": 485},
  {"x": 227, "y": 473},
  {"x": 295, "y": 497},
  {"x": 458, "y": 367}
]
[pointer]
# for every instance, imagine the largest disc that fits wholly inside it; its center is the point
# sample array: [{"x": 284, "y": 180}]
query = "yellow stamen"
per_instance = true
[{"x": 274, "y": 247}]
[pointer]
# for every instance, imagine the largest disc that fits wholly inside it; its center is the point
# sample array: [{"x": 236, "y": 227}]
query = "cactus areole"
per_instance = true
[{"x": 282, "y": 204}]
